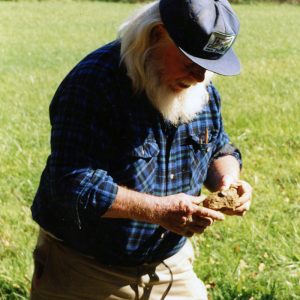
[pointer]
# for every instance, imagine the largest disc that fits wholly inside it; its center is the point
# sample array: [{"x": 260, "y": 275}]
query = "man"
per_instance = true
[{"x": 136, "y": 132}]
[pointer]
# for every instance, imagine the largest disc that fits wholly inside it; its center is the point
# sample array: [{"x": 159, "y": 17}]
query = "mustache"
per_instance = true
[{"x": 176, "y": 107}]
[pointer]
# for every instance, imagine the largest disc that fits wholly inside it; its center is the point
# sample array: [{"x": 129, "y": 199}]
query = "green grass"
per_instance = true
[{"x": 255, "y": 257}]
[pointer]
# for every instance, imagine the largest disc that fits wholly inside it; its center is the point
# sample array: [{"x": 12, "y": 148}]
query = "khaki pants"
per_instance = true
[{"x": 61, "y": 273}]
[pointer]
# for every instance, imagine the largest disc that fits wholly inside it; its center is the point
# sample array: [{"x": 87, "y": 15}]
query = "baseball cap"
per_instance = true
[{"x": 204, "y": 30}]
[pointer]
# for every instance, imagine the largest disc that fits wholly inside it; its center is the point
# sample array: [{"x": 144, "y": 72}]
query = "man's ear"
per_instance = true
[{"x": 157, "y": 33}]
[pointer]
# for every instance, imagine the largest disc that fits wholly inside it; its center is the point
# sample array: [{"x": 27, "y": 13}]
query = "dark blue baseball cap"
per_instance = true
[{"x": 204, "y": 30}]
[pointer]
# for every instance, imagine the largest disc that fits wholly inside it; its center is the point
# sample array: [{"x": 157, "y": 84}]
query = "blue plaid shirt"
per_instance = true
[{"x": 104, "y": 136}]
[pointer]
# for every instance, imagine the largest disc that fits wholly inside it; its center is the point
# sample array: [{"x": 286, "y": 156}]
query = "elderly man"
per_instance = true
[{"x": 136, "y": 132}]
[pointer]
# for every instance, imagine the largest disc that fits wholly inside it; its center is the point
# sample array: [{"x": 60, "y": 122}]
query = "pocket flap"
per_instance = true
[
  {"x": 202, "y": 142},
  {"x": 147, "y": 150}
]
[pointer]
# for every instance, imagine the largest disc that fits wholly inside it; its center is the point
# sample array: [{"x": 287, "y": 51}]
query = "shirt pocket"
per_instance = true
[
  {"x": 136, "y": 167},
  {"x": 202, "y": 146}
]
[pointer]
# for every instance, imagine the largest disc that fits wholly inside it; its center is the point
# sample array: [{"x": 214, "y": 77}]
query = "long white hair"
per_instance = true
[
  {"x": 137, "y": 45},
  {"x": 135, "y": 35}
]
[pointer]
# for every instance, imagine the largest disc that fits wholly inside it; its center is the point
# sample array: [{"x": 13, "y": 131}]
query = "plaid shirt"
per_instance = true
[{"x": 103, "y": 136}]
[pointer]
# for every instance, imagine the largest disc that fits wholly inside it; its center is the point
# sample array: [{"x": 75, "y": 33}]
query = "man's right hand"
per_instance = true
[
  {"x": 182, "y": 214},
  {"x": 178, "y": 213}
]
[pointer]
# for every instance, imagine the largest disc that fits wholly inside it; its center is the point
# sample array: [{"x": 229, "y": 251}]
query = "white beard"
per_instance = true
[{"x": 177, "y": 107}]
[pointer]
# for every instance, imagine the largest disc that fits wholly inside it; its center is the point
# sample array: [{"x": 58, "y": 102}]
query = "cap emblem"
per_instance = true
[{"x": 219, "y": 43}]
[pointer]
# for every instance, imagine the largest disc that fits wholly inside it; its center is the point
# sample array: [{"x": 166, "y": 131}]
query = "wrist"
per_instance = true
[
  {"x": 133, "y": 205},
  {"x": 146, "y": 208},
  {"x": 223, "y": 170}
]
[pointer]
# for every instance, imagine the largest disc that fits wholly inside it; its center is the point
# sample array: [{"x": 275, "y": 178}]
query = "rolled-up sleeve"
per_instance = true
[
  {"x": 81, "y": 187},
  {"x": 223, "y": 144}
]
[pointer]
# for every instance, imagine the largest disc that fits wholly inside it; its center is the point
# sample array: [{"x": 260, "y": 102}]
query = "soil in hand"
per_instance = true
[{"x": 223, "y": 200}]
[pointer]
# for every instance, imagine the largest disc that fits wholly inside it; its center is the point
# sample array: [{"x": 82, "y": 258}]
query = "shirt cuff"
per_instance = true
[
  {"x": 96, "y": 196},
  {"x": 229, "y": 149}
]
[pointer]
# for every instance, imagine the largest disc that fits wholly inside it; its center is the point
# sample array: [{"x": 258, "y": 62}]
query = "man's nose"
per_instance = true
[
  {"x": 199, "y": 76},
  {"x": 198, "y": 73}
]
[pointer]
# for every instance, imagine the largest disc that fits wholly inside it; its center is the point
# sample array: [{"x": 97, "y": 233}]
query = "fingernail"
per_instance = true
[{"x": 222, "y": 217}]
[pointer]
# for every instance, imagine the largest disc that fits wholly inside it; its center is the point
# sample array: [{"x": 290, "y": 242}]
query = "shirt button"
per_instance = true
[
  {"x": 172, "y": 176},
  {"x": 143, "y": 151}
]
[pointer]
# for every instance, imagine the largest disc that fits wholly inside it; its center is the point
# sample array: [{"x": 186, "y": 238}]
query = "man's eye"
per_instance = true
[{"x": 189, "y": 66}]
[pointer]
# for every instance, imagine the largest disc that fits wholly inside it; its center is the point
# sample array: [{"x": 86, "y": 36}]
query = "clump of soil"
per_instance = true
[{"x": 223, "y": 200}]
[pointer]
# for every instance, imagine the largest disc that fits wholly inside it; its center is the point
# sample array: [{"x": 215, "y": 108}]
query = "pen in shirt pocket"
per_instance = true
[{"x": 206, "y": 135}]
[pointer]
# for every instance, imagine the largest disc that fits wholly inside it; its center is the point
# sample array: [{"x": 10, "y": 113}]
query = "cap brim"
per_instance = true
[{"x": 227, "y": 65}]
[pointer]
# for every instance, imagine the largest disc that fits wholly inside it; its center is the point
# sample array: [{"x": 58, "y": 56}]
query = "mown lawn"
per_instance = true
[{"x": 255, "y": 257}]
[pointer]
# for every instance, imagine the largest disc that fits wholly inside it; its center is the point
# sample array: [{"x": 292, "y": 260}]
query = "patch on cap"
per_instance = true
[{"x": 219, "y": 43}]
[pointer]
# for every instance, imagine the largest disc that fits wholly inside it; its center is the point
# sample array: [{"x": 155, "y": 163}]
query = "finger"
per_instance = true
[
  {"x": 239, "y": 213},
  {"x": 245, "y": 195},
  {"x": 197, "y": 221},
  {"x": 197, "y": 229},
  {"x": 244, "y": 207},
  {"x": 184, "y": 231},
  {"x": 244, "y": 199},
  {"x": 184, "y": 220},
  {"x": 229, "y": 211},
  {"x": 244, "y": 192},
  {"x": 206, "y": 212},
  {"x": 243, "y": 187},
  {"x": 227, "y": 180},
  {"x": 198, "y": 200},
  {"x": 187, "y": 232}
]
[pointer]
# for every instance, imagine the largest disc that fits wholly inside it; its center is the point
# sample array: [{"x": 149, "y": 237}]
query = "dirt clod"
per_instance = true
[{"x": 223, "y": 200}]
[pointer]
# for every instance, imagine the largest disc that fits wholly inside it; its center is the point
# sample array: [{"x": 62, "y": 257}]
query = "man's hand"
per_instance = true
[
  {"x": 179, "y": 213},
  {"x": 182, "y": 214},
  {"x": 244, "y": 191}
]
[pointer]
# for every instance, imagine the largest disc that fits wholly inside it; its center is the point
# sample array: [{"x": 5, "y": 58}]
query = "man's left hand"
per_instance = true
[{"x": 244, "y": 190}]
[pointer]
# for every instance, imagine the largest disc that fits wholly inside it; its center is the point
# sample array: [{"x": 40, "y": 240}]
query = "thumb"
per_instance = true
[
  {"x": 199, "y": 199},
  {"x": 226, "y": 182}
]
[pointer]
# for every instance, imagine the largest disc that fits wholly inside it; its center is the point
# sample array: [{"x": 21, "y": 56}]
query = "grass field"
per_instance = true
[{"x": 255, "y": 257}]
